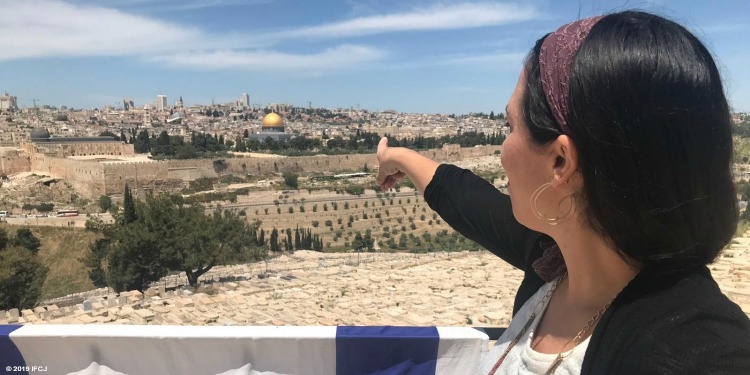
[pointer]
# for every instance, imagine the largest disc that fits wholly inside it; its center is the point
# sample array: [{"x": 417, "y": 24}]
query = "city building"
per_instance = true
[
  {"x": 279, "y": 107},
  {"x": 245, "y": 101},
  {"x": 271, "y": 127},
  {"x": 128, "y": 104},
  {"x": 8, "y": 102},
  {"x": 176, "y": 118},
  {"x": 161, "y": 102},
  {"x": 41, "y": 143}
]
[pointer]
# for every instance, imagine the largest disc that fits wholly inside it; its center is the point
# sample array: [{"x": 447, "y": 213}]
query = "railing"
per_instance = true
[{"x": 134, "y": 349}]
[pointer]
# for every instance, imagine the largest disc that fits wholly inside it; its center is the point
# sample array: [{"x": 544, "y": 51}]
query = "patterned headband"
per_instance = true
[{"x": 555, "y": 64}]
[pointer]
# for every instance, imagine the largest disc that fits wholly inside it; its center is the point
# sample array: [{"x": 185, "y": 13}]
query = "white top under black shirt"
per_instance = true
[{"x": 522, "y": 359}]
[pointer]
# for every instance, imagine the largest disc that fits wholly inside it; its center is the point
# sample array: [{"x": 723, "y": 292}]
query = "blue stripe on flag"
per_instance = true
[
  {"x": 9, "y": 354},
  {"x": 386, "y": 350}
]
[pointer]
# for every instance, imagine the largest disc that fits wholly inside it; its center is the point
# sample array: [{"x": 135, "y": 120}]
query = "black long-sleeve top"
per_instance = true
[{"x": 661, "y": 323}]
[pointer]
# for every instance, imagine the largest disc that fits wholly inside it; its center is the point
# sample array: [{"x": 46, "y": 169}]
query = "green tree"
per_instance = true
[
  {"x": 24, "y": 238},
  {"x": 220, "y": 238},
  {"x": 402, "y": 241},
  {"x": 354, "y": 189},
  {"x": 134, "y": 257},
  {"x": 162, "y": 145},
  {"x": 241, "y": 145},
  {"x": 45, "y": 207},
  {"x": 367, "y": 239},
  {"x": 108, "y": 133},
  {"x": 94, "y": 259},
  {"x": 168, "y": 235},
  {"x": 142, "y": 143},
  {"x": 3, "y": 238},
  {"x": 290, "y": 179},
  {"x": 261, "y": 240},
  {"x": 273, "y": 241},
  {"x": 22, "y": 275},
  {"x": 297, "y": 239},
  {"x": 129, "y": 212},
  {"x": 359, "y": 242},
  {"x": 105, "y": 203},
  {"x": 288, "y": 245}
]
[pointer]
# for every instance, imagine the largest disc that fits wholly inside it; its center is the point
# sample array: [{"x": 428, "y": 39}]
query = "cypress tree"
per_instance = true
[
  {"x": 274, "y": 240},
  {"x": 297, "y": 239},
  {"x": 261, "y": 238},
  {"x": 129, "y": 214}
]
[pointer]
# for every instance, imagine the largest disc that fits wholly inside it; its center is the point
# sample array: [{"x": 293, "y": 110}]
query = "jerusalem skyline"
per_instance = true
[{"x": 420, "y": 57}]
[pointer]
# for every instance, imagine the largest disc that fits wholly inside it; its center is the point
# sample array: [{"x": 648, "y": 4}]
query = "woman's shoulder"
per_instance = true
[
  {"x": 670, "y": 323},
  {"x": 694, "y": 338},
  {"x": 673, "y": 303}
]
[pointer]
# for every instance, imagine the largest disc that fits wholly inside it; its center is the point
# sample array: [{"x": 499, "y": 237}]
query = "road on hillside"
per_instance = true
[{"x": 55, "y": 221}]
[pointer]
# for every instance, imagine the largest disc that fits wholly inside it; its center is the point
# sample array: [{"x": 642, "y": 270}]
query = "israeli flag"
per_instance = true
[{"x": 222, "y": 350}]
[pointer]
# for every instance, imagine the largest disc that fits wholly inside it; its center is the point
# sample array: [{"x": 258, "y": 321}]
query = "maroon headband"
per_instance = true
[{"x": 555, "y": 64}]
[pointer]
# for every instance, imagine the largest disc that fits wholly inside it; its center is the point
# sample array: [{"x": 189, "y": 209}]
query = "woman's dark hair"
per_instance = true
[{"x": 652, "y": 127}]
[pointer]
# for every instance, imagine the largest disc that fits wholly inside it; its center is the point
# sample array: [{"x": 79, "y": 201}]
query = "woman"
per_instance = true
[{"x": 620, "y": 192}]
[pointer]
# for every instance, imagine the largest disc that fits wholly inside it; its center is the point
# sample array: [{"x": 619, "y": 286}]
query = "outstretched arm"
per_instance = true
[
  {"x": 470, "y": 205},
  {"x": 398, "y": 162}
]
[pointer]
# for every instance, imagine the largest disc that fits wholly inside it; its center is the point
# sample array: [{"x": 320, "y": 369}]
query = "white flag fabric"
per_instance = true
[{"x": 257, "y": 350}]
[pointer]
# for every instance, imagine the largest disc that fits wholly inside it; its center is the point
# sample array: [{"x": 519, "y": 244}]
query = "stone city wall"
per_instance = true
[
  {"x": 13, "y": 160},
  {"x": 115, "y": 148},
  {"x": 171, "y": 175},
  {"x": 140, "y": 176},
  {"x": 85, "y": 176},
  {"x": 92, "y": 178}
]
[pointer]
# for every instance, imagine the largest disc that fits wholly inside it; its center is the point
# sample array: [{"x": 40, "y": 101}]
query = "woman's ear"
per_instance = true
[{"x": 565, "y": 154}]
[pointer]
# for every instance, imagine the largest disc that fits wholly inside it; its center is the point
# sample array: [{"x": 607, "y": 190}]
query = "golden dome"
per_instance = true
[{"x": 273, "y": 120}]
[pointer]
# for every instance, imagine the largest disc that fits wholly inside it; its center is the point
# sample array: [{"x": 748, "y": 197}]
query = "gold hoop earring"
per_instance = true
[{"x": 538, "y": 213}]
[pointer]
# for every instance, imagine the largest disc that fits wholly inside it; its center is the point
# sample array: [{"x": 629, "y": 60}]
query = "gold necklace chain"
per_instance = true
[
  {"x": 575, "y": 340},
  {"x": 526, "y": 326}
]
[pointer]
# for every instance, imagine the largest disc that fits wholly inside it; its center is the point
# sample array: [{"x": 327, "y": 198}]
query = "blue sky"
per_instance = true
[{"x": 412, "y": 56}]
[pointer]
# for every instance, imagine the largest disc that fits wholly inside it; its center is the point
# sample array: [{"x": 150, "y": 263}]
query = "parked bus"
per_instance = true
[{"x": 62, "y": 213}]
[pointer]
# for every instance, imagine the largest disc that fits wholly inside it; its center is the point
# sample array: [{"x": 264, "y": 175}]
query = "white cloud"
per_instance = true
[
  {"x": 169, "y": 5},
  {"x": 174, "y": 5},
  {"x": 441, "y": 17},
  {"x": 54, "y": 28},
  {"x": 341, "y": 57},
  {"x": 515, "y": 58},
  {"x": 37, "y": 28}
]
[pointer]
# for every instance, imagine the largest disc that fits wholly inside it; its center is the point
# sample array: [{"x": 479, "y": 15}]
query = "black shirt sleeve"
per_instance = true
[{"x": 480, "y": 212}]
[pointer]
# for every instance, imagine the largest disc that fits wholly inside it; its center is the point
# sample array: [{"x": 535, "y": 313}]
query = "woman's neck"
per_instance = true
[{"x": 596, "y": 272}]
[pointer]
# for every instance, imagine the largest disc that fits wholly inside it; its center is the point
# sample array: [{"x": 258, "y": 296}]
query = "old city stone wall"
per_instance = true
[
  {"x": 171, "y": 175},
  {"x": 114, "y": 148},
  {"x": 140, "y": 176},
  {"x": 92, "y": 178},
  {"x": 13, "y": 160},
  {"x": 85, "y": 176}
]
